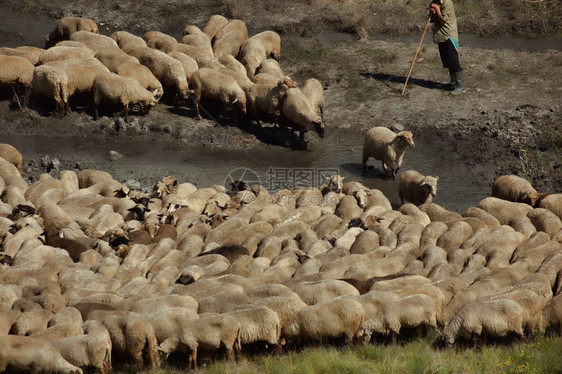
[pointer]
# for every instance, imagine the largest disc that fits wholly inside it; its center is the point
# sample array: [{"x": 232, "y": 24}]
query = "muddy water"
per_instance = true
[{"x": 274, "y": 167}]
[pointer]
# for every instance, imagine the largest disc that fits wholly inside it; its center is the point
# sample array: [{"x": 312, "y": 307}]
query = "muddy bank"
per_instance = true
[{"x": 510, "y": 120}]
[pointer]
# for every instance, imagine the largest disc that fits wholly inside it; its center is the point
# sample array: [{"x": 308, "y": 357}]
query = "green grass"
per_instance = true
[{"x": 539, "y": 355}]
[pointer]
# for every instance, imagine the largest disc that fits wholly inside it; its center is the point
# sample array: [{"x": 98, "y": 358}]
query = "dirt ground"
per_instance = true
[{"x": 509, "y": 121}]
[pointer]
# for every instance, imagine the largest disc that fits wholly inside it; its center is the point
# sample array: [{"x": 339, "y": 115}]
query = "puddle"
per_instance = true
[{"x": 274, "y": 167}]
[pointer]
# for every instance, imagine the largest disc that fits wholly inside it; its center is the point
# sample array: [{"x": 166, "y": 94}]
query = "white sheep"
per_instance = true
[
  {"x": 387, "y": 146},
  {"x": 66, "y": 26},
  {"x": 11, "y": 154},
  {"x": 230, "y": 38},
  {"x": 51, "y": 82},
  {"x": 332, "y": 318},
  {"x": 495, "y": 318},
  {"x": 314, "y": 292},
  {"x": 410, "y": 311},
  {"x": 16, "y": 72},
  {"x": 299, "y": 112},
  {"x": 95, "y": 42},
  {"x": 113, "y": 88},
  {"x": 124, "y": 37},
  {"x": 166, "y": 69},
  {"x": 214, "y": 24},
  {"x": 417, "y": 188},
  {"x": 215, "y": 85},
  {"x": 192, "y": 35},
  {"x": 263, "y": 98},
  {"x": 314, "y": 91},
  {"x": 26, "y": 51},
  {"x": 80, "y": 74},
  {"x": 210, "y": 332},
  {"x": 92, "y": 349},
  {"x": 159, "y": 40},
  {"x": 514, "y": 188},
  {"x": 131, "y": 335},
  {"x": 258, "y": 323},
  {"x": 251, "y": 55},
  {"x": 27, "y": 354},
  {"x": 272, "y": 42},
  {"x": 61, "y": 53}
]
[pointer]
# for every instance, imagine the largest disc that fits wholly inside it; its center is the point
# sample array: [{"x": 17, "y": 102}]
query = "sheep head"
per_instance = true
[
  {"x": 319, "y": 127},
  {"x": 429, "y": 185},
  {"x": 406, "y": 139}
]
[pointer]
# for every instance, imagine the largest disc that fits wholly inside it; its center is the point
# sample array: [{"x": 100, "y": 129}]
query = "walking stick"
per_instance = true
[{"x": 416, "y": 55}]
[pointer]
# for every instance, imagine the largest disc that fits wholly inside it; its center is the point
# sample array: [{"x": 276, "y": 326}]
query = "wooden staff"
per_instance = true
[{"x": 416, "y": 55}]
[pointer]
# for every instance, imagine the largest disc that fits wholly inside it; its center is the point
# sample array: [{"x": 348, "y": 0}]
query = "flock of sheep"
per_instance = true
[
  {"x": 93, "y": 273},
  {"x": 220, "y": 63}
]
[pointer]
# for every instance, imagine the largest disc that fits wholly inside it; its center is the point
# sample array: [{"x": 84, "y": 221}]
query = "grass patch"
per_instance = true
[{"x": 540, "y": 355}]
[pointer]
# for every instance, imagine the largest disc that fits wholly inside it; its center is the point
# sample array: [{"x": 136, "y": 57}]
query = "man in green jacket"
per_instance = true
[{"x": 445, "y": 34}]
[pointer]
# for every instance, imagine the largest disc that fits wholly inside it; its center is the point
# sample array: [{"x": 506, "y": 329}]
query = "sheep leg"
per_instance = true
[
  {"x": 96, "y": 115},
  {"x": 393, "y": 337},
  {"x": 237, "y": 350},
  {"x": 197, "y": 110}
]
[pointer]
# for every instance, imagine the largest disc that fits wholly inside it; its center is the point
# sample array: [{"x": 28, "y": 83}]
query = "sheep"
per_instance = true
[
  {"x": 333, "y": 318},
  {"x": 11, "y": 154},
  {"x": 112, "y": 59},
  {"x": 314, "y": 292},
  {"x": 437, "y": 213},
  {"x": 251, "y": 55},
  {"x": 66, "y": 26},
  {"x": 298, "y": 111},
  {"x": 192, "y": 35},
  {"x": 214, "y": 24},
  {"x": 230, "y": 38},
  {"x": 348, "y": 208},
  {"x": 159, "y": 40},
  {"x": 124, "y": 37},
  {"x": 168, "y": 320},
  {"x": 313, "y": 90},
  {"x": 387, "y": 146},
  {"x": 80, "y": 75},
  {"x": 258, "y": 323},
  {"x": 210, "y": 332},
  {"x": 62, "y": 330},
  {"x": 51, "y": 82},
  {"x": 264, "y": 98},
  {"x": 189, "y": 63},
  {"x": 417, "y": 188},
  {"x": 31, "y": 322},
  {"x": 409, "y": 311},
  {"x": 27, "y": 354},
  {"x": 272, "y": 42},
  {"x": 131, "y": 334},
  {"x": 113, "y": 88},
  {"x": 492, "y": 317},
  {"x": 166, "y": 69},
  {"x": 545, "y": 220},
  {"x": 30, "y": 53},
  {"x": 16, "y": 72},
  {"x": 514, "y": 188},
  {"x": 215, "y": 85},
  {"x": 61, "y": 53},
  {"x": 552, "y": 202},
  {"x": 551, "y": 315},
  {"x": 95, "y": 42},
  {"x": 92, "y": 349},
  {"x": 504, "y": 210}
]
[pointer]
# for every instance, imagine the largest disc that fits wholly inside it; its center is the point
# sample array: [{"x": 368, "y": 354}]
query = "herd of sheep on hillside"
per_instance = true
[
  {"x": 94, "y": 274},
  {"x": 123, "y": 71}
]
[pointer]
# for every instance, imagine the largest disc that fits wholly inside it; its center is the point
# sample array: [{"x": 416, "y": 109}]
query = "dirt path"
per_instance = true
[{"x": 509, "y": 121}]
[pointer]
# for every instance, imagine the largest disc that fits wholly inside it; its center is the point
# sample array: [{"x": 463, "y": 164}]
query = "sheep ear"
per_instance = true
[{"x": 436, "y": 178}]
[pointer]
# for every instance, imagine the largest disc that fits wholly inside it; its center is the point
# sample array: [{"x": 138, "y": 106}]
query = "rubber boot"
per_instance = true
[
  {"x": 452, "y": 84},
  {"x": 459, "y": 78}
]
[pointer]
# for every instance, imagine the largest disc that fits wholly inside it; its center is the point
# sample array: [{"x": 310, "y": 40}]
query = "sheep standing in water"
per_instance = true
[{"x": 387, "y": 146}]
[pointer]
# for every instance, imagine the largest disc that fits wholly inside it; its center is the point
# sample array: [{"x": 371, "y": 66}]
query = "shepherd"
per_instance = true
[{"x": 445, "y": 34}]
